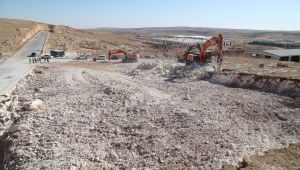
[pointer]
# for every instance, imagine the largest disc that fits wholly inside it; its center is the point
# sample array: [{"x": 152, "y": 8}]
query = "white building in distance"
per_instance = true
[{"x": 281, "y": 54}]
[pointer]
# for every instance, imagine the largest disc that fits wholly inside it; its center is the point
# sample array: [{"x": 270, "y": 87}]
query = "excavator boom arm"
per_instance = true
[
  {"x": 205, "y": 46},
  {"x": 215, "y": 41}
]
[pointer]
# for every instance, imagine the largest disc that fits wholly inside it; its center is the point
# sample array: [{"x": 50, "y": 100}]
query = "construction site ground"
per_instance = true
[
  {"x": 118, "y": 116},
  {"x": 261, "y": 66}
]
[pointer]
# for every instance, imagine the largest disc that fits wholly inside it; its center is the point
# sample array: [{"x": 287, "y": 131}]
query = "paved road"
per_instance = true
[{"x": 16, "y": 67}]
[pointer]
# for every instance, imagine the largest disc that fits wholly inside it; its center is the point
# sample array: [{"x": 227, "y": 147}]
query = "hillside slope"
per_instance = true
[
  {"x": 11, "y": 34},
  {"x": 14, "y": 33},
  {"x": 91, "y": 42}
]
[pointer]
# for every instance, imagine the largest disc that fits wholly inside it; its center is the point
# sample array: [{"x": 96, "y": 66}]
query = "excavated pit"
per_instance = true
[
  {"x": 277, "y": 85},
  {"x": 179, "y": 73}
]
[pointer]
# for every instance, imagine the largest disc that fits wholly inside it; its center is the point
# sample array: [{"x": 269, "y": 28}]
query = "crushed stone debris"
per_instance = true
[{"x": 94, "y": 119}]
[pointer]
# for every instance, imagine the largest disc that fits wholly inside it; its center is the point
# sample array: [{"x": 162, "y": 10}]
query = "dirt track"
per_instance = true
[{"x": 103, "y": 117}]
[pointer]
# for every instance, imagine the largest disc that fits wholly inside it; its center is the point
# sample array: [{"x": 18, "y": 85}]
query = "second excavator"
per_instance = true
[{"x": 129, "y": 58}]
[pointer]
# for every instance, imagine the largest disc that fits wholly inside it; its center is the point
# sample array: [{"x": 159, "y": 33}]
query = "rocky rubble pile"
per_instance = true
[
  {"x": 157, "y": 68},
  {"x": 194, "y": 71},
  {"x": 7, "y": 112},
  {"x": 172, "y": 70},
  {"x": 12, "y": 105},
  {"x": 10, "y": 109}
]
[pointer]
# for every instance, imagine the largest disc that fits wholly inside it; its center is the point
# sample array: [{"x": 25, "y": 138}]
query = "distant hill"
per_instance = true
[
  {"x": 179, "y": 29},
  {"x": 242, "y": 33}
]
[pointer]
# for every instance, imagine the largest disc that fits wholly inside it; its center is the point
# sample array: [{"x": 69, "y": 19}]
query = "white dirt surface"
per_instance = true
[{"x": 110, "y": 118}]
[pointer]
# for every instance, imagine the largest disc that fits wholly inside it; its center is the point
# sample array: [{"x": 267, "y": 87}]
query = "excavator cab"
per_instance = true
[
  {"x": 193, "y": 49},
  {"x": 194, "y": 58},
  {"x": 208, "y": 57},
  {"x": 131, "y": 58}
]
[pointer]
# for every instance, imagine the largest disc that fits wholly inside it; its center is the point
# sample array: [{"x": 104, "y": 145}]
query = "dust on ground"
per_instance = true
[{"x": 112, "y": 118}]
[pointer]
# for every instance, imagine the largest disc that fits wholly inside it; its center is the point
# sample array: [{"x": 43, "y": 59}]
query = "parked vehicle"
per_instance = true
[
  {"x": 32, "y": 55},
  {"x": 101, "y": 57},
  {"x": 46, "y": 56},
  {"x": 82, "y": 57}
]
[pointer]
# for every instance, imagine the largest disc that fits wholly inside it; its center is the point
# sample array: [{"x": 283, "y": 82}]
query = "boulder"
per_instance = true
[
  {"x": 17, "y": 128},
  {"x": 227, "y": 145},
  {"x": 14, "y": 116},
  {"x": 33, "y": 105},
  {"x": 3, "y": 113},
  {"x": 3, "y": 106},
  {"x": 281, "y": 117}
]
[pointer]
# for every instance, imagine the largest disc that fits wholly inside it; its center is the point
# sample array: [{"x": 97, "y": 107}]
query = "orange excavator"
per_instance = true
[
  {"x": 128, "y": 57},
  {"x": 204, "y": 56}
]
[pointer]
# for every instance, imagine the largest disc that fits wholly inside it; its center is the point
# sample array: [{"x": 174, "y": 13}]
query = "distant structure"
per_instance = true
[
  {"x": 57, "y": 53},
  {"x": 281, "y": 54},
  {"x": 190, "y": 40},
  {"x": 227, "y": 43},
  {"x": 281, "y": 44}
]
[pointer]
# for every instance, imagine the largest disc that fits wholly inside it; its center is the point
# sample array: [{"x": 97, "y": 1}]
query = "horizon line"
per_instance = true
[{"x": 144, "y": 27}]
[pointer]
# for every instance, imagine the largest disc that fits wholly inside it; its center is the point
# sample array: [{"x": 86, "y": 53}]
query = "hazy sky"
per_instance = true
[{"x": 247, "y": 14}]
